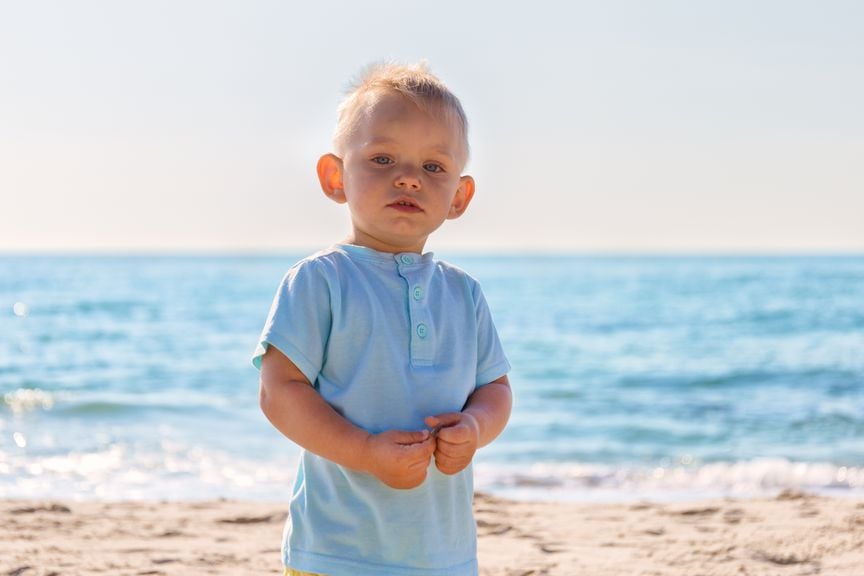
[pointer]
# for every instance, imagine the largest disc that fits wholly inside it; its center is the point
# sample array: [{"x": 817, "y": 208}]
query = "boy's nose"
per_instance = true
[{"x": 407, "y": 181}]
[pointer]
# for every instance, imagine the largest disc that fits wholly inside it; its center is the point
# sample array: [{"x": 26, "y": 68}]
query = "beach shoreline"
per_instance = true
[{"x": 794, "y": 533}]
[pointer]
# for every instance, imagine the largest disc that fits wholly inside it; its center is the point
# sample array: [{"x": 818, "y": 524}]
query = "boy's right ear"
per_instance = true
[{"x": 330, "y": 177}]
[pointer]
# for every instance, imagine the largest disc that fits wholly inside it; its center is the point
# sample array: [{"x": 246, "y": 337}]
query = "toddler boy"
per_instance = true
[{"x": 381, "y": 362}]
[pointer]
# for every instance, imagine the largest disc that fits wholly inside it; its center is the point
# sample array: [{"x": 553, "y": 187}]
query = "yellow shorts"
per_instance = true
[{"x": 292, "y": 572}]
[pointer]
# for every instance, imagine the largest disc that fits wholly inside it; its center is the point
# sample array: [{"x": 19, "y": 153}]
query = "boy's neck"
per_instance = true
[{"x": 372, "y": 243}]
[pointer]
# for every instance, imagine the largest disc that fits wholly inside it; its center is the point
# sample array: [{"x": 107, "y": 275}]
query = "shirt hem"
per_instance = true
[
  {"x": 334, "y": 566},
  {"x": 491, "y": 374},
  {"x": 289, "y": 351}
]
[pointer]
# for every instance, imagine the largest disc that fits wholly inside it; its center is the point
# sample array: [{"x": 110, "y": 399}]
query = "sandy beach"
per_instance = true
[{"x": 789, "y": 535}]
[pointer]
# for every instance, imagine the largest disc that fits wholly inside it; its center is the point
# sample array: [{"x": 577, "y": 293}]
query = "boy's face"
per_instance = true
[{"x": 399, "y": 174}]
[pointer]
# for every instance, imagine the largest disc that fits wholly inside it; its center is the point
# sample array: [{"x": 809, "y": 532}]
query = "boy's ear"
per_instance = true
[
  {"x": 463, "y": 197},
  {"x": 330, "y": 177}
]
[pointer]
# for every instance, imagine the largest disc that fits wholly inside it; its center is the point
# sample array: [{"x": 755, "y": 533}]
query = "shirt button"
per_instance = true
[
  {"x": 406, "y": 259},
  {"x": 422, "y": 331},
  {"x": 418, "y": 293}
]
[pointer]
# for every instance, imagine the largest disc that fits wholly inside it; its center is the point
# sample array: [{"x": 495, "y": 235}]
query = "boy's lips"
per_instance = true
[{"x": 405, "y": 205}]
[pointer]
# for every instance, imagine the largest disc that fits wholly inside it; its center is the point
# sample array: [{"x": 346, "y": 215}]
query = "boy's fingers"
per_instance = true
[
  {"x": 450, "y": 465},
  {"x": 443, "y": 420},
  {"x": 455, "y": 434},
  {"x": 410, "y": 437},
  {"x": 420, "y": 450},
  {"x": 419, "y": 464}
]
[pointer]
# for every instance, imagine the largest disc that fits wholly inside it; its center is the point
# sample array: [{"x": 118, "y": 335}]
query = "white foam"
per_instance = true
[
  {"x": 753, "y": 478},
  {"x": 173, "y": 470},
  {"x": 123, "y": 472},
  {"x": 27, "y": 399}
]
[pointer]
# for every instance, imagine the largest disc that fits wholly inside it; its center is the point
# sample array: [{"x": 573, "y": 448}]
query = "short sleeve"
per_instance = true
[
  {"x": 491, "y": 361},
  {"x": 298, "y": 324}
]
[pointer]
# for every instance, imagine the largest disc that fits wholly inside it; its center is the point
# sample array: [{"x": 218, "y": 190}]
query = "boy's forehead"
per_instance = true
[
  {"x": 392, "y": 106},
  {"x": 388, "y": 109}
]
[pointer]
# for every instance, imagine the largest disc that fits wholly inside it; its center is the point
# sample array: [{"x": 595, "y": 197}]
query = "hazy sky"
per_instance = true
[{"x": 595, "y": 126}]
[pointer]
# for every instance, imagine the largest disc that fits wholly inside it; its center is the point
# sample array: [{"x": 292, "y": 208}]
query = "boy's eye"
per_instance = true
[
  {"x": 382, "y": 160},
  {"x": 430, "y": 167}
]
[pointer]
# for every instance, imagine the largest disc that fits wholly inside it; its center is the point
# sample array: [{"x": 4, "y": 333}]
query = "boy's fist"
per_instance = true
[
  {"x": 400, "y": 459},
  {"x": 457, "y": 437}
]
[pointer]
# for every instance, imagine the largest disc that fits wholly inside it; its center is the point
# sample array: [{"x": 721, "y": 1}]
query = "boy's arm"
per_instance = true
[
  {"x": 481, "y": 421},
  {"x": 398, "y": 458},
  {"x": 490, "y": 405}
]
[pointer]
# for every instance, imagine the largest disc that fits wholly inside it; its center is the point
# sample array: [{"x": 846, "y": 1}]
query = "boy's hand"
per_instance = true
[
  {"x": 457, "y": 439},
  {"x": 400, "y": 459}
]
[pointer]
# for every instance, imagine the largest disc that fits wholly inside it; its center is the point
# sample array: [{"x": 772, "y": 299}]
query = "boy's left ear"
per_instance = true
[{"x": 463, "y": 197}]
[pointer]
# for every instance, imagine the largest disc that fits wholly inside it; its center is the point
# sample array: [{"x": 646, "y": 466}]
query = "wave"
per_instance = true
[
  {"x": 751, "y": 478},
  {"x": 179, "y": 470},
  {"x": 28, "y": 400},
  {"x": 84, "y": 403},
  {"x": 124, "y": 471}
]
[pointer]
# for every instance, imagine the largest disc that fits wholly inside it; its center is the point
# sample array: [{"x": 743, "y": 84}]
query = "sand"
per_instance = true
[{"x": 788, "y": 535}]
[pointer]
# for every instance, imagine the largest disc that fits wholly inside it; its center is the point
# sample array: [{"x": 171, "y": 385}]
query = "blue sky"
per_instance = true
[{"x": 595, "y": 126}]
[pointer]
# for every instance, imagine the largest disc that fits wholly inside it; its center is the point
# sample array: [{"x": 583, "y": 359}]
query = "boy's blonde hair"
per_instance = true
[{"x": 413, "y": 81}]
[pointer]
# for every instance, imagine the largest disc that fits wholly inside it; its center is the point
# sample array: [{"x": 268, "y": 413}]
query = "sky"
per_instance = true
[{"x": 615, "y": 126}]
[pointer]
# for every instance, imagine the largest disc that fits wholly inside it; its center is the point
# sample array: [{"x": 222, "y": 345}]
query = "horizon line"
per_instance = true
[{"x": 464, "y": 251}]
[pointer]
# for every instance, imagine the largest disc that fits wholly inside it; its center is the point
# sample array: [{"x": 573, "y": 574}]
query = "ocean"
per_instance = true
[{"x": 651, "y": 377}]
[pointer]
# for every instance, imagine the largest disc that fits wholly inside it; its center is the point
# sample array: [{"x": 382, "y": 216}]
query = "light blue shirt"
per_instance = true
[{"x": 386, "y": 339}]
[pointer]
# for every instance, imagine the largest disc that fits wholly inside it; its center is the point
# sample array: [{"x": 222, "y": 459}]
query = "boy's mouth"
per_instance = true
[{"x": 405, "y": 205}]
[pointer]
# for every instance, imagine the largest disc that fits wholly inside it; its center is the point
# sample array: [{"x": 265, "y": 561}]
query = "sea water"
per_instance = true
[{"x": 633, "y": 377}]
